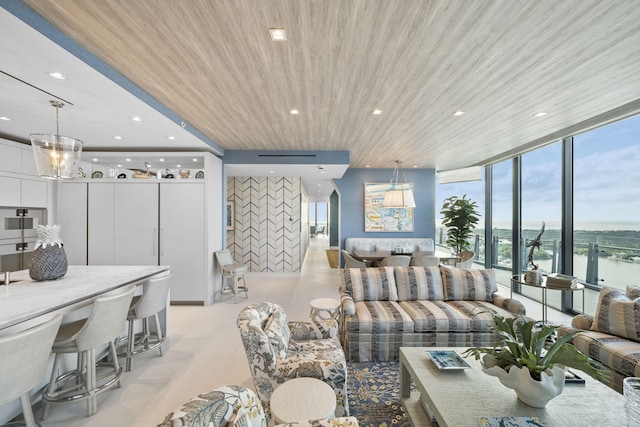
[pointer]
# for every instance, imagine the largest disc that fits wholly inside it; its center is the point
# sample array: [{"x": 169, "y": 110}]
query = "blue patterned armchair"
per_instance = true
[
  {"x": 278, "y": 350},
  {"x": 235, "y": 406}
]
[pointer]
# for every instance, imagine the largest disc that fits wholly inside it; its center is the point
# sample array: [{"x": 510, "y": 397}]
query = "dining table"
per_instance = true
[{"x": 376, "y": 256}]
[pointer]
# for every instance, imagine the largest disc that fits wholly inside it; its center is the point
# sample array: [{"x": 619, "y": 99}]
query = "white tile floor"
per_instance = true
[{"x": 204, "y": 349}]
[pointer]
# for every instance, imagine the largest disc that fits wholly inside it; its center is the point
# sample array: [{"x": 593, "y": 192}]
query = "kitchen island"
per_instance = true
[{"x": 24, "y": 299}]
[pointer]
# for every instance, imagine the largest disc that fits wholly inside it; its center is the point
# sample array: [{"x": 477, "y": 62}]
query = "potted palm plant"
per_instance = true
[
  {"x": 529, "y": 360},
  {"x": 459, "y": 216}
]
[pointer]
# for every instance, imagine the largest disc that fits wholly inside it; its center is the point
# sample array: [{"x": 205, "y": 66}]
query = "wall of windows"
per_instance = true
[{"x": 587, "y": 183}]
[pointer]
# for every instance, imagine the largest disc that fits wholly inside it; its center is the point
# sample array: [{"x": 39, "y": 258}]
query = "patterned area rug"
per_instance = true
[{"x": 373, "y": 389}]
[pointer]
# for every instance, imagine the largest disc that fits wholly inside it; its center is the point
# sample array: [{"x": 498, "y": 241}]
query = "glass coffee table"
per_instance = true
[{"x": 458, "y": 397}]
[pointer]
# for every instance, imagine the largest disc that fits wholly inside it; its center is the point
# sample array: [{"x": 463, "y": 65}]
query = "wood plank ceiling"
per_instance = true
[{"x": 419, "y": 61}]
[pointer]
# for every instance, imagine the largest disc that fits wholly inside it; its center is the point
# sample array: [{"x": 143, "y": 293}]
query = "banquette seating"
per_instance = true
[
  {"x": 386, "y": 308},
  {"x": 422, "y": 246}
]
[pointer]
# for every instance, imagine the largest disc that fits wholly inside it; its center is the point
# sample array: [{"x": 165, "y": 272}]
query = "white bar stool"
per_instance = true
[
  {"x": 234, "y": 271},
  {"x": 152, "y": 301},
  {"x": 103, "y": 326},
  {"x": 302, "y": 399},
  {"x": 24, "y": 357}
]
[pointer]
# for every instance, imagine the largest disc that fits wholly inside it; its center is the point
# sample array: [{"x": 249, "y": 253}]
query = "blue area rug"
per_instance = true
[{"x": 373, "y": 390}]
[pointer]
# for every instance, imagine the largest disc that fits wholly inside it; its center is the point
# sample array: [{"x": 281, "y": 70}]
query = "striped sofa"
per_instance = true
[
  {"x": 612, "y": 336},
  {"x": 387, "y": 308}
]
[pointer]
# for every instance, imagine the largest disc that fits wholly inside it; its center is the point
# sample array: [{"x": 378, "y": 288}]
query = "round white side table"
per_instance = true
[
  {"x": 325, "y": 308},
  {"x": 302, "y": 399}
]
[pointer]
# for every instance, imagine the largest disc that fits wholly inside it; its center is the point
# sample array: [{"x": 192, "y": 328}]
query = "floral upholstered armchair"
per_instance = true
[
  {"x": 235, "y": 406},
  {"x": 278, "y": 350}
]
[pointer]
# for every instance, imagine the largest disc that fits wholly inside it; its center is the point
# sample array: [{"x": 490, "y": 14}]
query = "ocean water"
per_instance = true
[{"x": 578, "y": 225}]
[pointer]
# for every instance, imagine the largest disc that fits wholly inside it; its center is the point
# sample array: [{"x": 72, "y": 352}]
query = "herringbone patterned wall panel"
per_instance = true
[{"x": 267, "y": 235}]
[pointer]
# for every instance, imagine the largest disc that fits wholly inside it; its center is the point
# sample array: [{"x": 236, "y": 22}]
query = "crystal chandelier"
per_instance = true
[
  {"x": 397, "y": 196},
  {"x": 57, "y": 157}
]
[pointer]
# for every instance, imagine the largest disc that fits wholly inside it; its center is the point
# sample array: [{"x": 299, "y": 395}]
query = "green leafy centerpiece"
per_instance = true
[{"x": 523, "y": 362}]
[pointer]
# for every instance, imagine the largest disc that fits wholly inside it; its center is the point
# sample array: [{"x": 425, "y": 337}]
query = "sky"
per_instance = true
[{"x": 606, "y": 179}]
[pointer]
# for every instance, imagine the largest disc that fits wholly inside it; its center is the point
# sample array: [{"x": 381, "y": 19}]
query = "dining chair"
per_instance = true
[
  {"x": 351, "y": 262},
  {"x": 425, "y": 261},
  {"x": 395, "y": 260},
  {"x": 466, "y": 259}
]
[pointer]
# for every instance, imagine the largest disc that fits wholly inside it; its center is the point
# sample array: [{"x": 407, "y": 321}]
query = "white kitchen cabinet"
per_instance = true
[
  {"x": 9, "y": 191},
  {"x": 28, "y": 163},
  {"x": 72, "y": 216},
  {"x": 182, "y": 239},
  {"x": 33, "y": 193},
  {"x": 136, "y": 225},
  {"x": 10, "y": 158},
  {"x": 101, "y": 224}
]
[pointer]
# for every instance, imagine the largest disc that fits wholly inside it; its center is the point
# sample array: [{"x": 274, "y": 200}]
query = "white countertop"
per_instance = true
[{"x": 27, "y": 299}]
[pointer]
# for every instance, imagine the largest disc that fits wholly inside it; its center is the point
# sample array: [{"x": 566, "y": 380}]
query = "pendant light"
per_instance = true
[
  {"x": 396, "y": 196},
  {"x": 57, "y": 157}
]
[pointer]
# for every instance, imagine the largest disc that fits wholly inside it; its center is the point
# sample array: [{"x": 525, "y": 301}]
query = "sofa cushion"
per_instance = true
[
  {"x": 419, "y": 283},
  {"x": 471, "y": 285},
  {"x": 277, "y": 330},
  {"x": 379, "y": 317},
  {"x": 617, "y": 315},
  {"x": 435, "y": 316},
  {"x": 370, "y": 284},
  {"x": 480, "y": 314},
  {"x": 633, "y": 291},
  {"x": 621, "y": 355}
]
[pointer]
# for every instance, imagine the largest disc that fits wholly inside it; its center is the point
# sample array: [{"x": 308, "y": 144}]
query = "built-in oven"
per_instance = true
[{"x": 18, "y": 236}]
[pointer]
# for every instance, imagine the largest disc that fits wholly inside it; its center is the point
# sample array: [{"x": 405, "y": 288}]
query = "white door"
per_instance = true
[
  {"x": 182, "y": 239},
  {"x": 136, "y": 224},
  {"x": 101, "y": 227}
]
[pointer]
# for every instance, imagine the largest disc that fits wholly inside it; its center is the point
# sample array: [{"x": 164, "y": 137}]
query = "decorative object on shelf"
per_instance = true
[
  {"x": 96, "y": 174},
  {"x": 56, "y": 156},
  {"x": 81, "y": 173},
  {"x": 459, "y": 217},
  {"x": 112, "y": 172},
  {"x": 534, "y": 275},
  {"x": 122, "y": 175},
  {"x": 200, "y": 175},
  {"x": 527, "y": 360},
  {"x": 185, "y": 173},
  {"x": 398, "y": 195},
  {"x": 380, "y": 219},
  {"x": 141, "y": 174},
  {"x": 49, "y": 261},
  {"x": 169, "y": 174}
]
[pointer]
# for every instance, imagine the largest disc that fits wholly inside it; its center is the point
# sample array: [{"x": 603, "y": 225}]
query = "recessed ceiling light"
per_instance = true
[
  {"x": 278, "y": 34},
  {"x": 376, "y": 112},
  {"x": 136, "y": 119},
  {"x": 171, "y": 137},
  {"x": 458, "y": 113},
  {"x": 195, "y": 160},
  {"x": 162, "y": 160},
  {"x": 319, "y": 185},
  {"x": 178, "y": 166},
  {"x": 272, "y": 171},
  {"x": 94, "y": 159},
  {"x": 539, "y": 114},
  {"x": 58, "y": 76},
  {"x": 5, "y": 118},
  {"x": 128, "y": 160},
  {"x": 367, "y": 166},
  {"x": 117, "y": 137},
  {"x": 294, "y": 112},
  {"x": 119, "y": 166},
  {"x": 415, "y": 166}
]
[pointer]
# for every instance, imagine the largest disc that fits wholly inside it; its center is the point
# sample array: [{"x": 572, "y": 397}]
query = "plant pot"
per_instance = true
[
  {"x": 529, "y": 390},
  {"x": 49, "y": 263}
]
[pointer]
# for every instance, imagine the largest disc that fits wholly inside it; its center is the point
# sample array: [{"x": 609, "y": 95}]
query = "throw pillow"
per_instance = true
[
  {"x": 468, "y": 285},
  {"x": 370, "y": 284},
  {"x": 617, "y": 315},
  {"x": 419, "y": 283},
  {"x": 633, "y": 291},
  {"x": 278, "y": 333}
]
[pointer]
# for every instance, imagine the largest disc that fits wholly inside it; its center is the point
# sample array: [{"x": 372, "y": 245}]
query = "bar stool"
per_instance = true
[
  {"x": 152, "y": 301},
  {"x": 24, "y": 357},
  {"x": 103, "y": 326},
  {"x": 234, "y": 271}
]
